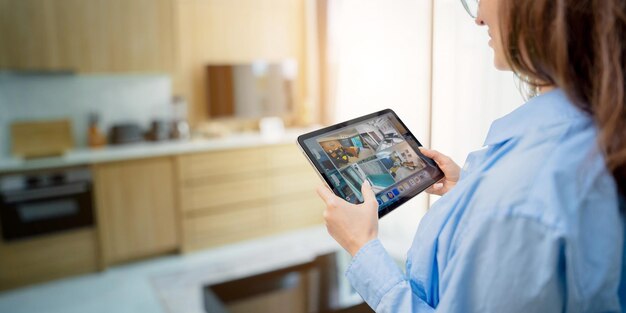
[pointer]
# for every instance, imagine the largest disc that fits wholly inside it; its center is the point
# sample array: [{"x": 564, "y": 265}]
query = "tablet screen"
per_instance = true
[{"x": 377, "y": 148}]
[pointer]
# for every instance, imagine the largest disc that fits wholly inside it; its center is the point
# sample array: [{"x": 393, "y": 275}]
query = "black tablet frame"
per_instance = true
[{"x": 409, "y": 137}]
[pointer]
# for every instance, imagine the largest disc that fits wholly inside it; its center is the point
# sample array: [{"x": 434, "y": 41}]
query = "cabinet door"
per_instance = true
[
  {"x": 232, "y": 195},
  {"x": 136, "y": 208},
  {"x": 88, "y": 36},
  {"x": 48, "y": 257}
]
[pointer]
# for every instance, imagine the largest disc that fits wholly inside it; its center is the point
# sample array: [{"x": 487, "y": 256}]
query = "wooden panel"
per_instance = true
[
  {"x": 284, "y": 156},
  {"x": 87, "y": 35},
  {"x": 45, "y": 258},
  {"x": 294, "y": 181},
  {"x": 301, "y": 211},
  {"x": 235, "y": 31},
  {"x": 41, "y": 138},
  {"x": 230, "y": 225},
  {"x": 220, "y": 194},
  {"x": 222, "y": 204},
  {"x": 219, "y": 79},
  {"x": 233, "y": 224},
  {"x": 178, "y": 37},
  {"x": 224, "y": 163},
  {"x": 136, "y": 208}
]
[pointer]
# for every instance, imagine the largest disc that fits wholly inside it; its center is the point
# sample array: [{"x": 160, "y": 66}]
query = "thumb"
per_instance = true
[
  {"x": 325, "y": 194},
  {"x": 434, "y": 154},
  {"x": 368, "y": 193}
]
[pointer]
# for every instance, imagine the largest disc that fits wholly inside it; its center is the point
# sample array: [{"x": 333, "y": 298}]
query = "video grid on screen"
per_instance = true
[{"x": 375, "y": 150}]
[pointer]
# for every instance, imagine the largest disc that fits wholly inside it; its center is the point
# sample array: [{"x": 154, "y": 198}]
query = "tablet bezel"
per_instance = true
[{"x": 320, "y": 171}]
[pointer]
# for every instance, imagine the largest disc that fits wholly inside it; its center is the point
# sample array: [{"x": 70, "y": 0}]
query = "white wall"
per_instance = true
[
  {"x": 468, "y": 92},
  {"x": 116, "y": 98},
  {"x": 381, "y": 50}
]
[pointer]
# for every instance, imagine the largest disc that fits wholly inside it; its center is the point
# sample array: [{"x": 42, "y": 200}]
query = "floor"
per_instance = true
[
  {"x": 138, "y": 287},
  {"x": 172, "y": 284}
]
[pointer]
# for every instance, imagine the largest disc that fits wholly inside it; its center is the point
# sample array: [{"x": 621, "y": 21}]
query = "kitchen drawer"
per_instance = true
[
  {"x": 48, "y": 257},
  {"x": 216, "y": 163},
  {"x": 226, "y": 226},
  {"x": 223, "y": 194},
  {"x": 286, "y": 156},
  {"x": 298, "y": 180},
  {"x": 296, "y": 212}
]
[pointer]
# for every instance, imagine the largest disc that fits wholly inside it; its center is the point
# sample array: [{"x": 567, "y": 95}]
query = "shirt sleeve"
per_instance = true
[
  {"x": 381, "y": 283},
  {"x": 501, "y": 264}
]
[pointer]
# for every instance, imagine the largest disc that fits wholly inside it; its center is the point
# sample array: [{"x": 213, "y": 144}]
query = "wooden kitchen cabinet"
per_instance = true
[
  {"x": 87, "y": 36},
  {"x": 175, "y": 37},
  {"x": 47, "y": 257},
  {"x": 237, "y": 194},
  {"x": 135, "y": 204}
]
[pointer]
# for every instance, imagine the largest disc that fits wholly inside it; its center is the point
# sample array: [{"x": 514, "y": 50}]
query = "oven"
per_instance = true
[{"x": 38, "y": 203}]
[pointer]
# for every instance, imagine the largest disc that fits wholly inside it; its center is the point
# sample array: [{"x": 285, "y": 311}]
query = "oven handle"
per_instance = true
[{"x": 48, "y": 192}]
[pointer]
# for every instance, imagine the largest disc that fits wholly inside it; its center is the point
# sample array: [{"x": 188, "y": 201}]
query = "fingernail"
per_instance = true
[{"x": 438, "y": 185}]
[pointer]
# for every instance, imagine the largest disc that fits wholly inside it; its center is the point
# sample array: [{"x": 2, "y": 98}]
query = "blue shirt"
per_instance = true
[{"x": 533, "y": 225}]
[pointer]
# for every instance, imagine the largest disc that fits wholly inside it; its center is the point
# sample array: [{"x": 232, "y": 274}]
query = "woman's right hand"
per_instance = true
[{"x": 449, "y": 168}]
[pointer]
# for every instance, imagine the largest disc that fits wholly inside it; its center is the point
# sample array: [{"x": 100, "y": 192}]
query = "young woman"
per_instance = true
[{"x": 532, "y": 222}]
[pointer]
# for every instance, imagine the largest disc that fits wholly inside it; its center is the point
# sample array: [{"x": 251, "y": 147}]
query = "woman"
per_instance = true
[{"x": 532, "y": 223}]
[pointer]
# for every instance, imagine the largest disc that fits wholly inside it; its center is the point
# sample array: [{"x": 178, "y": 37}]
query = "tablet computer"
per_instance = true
[{"x": 377, "y": 147}]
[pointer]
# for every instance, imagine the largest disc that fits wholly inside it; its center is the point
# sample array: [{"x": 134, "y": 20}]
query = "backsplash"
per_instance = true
[{"x": 137, "y": 98}]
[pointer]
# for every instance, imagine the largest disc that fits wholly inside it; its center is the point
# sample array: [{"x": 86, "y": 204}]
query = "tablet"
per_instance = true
[{"x": 378, "y": 148}]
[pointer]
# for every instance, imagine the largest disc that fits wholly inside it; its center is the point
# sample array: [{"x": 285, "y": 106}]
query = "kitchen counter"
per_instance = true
[{"x": 141, "y": 150}]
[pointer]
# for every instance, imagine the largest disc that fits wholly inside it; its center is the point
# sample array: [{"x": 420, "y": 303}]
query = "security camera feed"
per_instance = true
[{"x": 380, "y": 151}]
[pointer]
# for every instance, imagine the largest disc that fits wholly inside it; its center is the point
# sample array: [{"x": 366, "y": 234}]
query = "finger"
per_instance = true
[
  {"x": 435, "y": 155},
  {"x": 326, "y": 195},
  {"x": 368, "y": 193},
  {"x": 435, "y": 189},
  {"x": 434, "y": 193}
]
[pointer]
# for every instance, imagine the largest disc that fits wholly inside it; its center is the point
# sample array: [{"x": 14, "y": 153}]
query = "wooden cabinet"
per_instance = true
[
  {"x": 136, "y": 213},
  {"x": 48, "y": 257},
  {"x": 87, "y": 35},
  {"x": 236, "y": 31},
  {"x": 176, "y": 37},
  {"x": 226, "y": 196},
  {"x": 188, "y": 202}
]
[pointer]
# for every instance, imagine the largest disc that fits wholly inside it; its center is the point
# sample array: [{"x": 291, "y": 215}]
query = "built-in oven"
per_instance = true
[{"x": 38, "y": 203}]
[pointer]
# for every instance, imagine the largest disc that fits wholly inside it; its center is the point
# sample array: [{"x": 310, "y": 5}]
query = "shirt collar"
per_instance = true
[{"x": 549, "y": 109}]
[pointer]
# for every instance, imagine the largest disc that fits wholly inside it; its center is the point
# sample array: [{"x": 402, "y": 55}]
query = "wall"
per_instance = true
[
  {"x": 381, "y": 50},
  {"x": 468, "y": 92},
  {"x": 116, "y": 98}
]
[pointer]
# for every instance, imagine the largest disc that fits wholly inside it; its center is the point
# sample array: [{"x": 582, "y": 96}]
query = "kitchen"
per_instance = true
[{"x": 148, "y": 159}]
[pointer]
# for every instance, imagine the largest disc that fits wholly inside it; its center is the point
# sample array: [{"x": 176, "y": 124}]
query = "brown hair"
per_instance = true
[{"x": 579, "y": 46}]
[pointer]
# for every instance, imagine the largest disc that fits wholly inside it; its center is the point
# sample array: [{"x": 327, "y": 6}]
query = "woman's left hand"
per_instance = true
[{"x": 351, "y": 225}]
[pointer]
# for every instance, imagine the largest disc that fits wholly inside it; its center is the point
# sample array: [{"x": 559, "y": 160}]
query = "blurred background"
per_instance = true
[{"x": 147, "y": 147}]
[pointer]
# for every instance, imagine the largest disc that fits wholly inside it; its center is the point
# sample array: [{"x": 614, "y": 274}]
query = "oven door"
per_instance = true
[{"x": 26, "y": 213}]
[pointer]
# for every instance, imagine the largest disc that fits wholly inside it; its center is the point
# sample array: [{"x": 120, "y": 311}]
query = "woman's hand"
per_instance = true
[
  {"x": 449, "y": 168},
  {"x": 351, "y": 225}
]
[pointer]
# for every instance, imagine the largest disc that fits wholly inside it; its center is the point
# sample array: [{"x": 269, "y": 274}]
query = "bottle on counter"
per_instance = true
[
  {"x": 180, "y": 126},
  {"x": 95, "y": 136}
]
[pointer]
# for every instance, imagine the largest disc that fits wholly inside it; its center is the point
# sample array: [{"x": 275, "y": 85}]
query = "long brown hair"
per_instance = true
[{"x": 579, "y": 46}]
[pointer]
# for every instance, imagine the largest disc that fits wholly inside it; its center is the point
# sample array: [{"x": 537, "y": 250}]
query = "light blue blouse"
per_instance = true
[{"x": 533, "y": 225}]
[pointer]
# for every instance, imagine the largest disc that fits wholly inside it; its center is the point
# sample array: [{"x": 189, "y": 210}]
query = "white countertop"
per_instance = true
[{"x": 148, "y": 149}]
